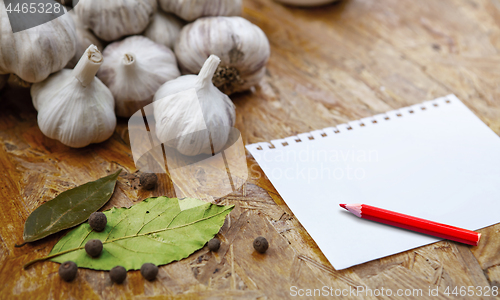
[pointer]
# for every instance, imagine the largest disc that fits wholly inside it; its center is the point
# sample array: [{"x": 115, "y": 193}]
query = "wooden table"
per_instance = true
[{"x": 329, "y": 65}]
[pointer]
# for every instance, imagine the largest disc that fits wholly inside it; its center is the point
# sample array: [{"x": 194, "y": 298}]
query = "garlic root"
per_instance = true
[
  {"x": 14, "y": 81},
  {"x": 242, "y": 47}
]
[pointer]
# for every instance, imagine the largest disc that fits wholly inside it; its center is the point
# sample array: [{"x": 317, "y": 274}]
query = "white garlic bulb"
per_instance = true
[
  {"x": 33, "y": 54},
  {"x": 242, "y": 47},
  {"x": 192, "y": 115},
  {"x": 3, "y": 80},
  {"x": 164, "y": 29},
  {"x": 84, "y": 38},
  {"x": 306, "y": 2},
  {"x": 134, "y": 69},
  {"x": 73, "y": 106},
  {"x": 113, "y": 19},
  {"x": 191, "y": 10}
]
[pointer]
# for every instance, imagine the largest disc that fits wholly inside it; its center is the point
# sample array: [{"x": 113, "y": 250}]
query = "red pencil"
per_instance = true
[{"x": 412, "y": 223}]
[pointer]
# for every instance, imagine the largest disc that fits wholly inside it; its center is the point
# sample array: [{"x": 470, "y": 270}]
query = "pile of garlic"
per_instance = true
[{"x": 148, "y": 45}]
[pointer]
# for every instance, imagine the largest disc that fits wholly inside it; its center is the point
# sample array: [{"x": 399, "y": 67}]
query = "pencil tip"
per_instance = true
[{"x": 342, "y": 205}]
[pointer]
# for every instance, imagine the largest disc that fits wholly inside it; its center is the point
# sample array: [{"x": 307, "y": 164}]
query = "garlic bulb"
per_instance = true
[
  {"x": 134, "y": 69},
  {"x": 164, "y": 29},
  {"x": 84, "y": 38},
  {"x": 306, "y": 2},
  {"x": 192, "y": 115},
  {"x": 33, "y": 54},
  {"x": 243, "y": 48},
  {"x": 3, "y": 80},
  {"x": 73, "y": 106},
  {"x": 113, "y": 19},
  {"x": 190, "y": 10}
]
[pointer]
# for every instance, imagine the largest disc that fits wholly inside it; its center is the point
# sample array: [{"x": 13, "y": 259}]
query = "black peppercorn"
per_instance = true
[
  {"x": 97, "y": 221},
  {"x": 149, "y": 271},
  {"x": 93, "y": 248},
  {"x": 118, "y": 274},
  {"x": 260, "y": 244},
  {"x": 148, "y": 180},
  {"x": 213, "y": 245},
  {"x": 68, "y": 270}
]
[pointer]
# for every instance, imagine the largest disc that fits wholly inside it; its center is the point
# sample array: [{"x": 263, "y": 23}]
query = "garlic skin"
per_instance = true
[
  {"x": 113, "y": 19},
  {"x": 164, "y": 29},
  {"x": 190, "y": 112},
  {"x": 33, "y": 54},
  {"x": 242, "y": 47},
  {"x": 306, "y": 2},
  {"x": 73, "y": 106},
  {"x": 134, "y": 69},
  {"x": 191, "y": 10},
  {"x": 84, "y": 38}
]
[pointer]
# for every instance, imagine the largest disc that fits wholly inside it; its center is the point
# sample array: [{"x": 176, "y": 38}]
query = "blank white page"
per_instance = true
[{"x": 434, "y": 160}]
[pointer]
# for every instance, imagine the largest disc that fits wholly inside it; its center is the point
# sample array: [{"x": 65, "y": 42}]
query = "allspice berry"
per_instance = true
[
  {"x": 93, "y": 247},
  {"x": 118, "y": 274},
  {"x": 213, "y": 245},
  {"x": 149, "y": 271},
  {"x": 148, "y": 181},
  {"x": 68, "y": 270},
  {"x": 97, "y": 221},
  {"x": 260, "y": 244}
]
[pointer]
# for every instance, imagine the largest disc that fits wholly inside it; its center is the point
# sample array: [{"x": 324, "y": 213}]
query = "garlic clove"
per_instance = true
[
  {"x": 74, "y": 107},
  {"x": 306, "y": 2},
  {"x": 164, "y": 29},
  {"x": 134, "y": 69},
  {"x": 242, "y": 47},
  {"x": 113, "y": 19},
  {"x": 191, "y": 10},
  {"x": 27, "y": 54},
  {"x": 192, "y": 115},
  {"x": 84, "y": 38}
]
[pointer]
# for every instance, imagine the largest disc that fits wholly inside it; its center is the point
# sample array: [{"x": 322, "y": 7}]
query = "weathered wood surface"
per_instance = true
[{"x": 329, "y": 65}]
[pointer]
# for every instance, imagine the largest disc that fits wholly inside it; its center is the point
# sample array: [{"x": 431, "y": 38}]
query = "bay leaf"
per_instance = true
[
  {"x": 69, "y": 208},
  {"x": 156, "y": 230}
]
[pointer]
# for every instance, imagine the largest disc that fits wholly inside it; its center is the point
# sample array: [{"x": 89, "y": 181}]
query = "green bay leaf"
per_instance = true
[
  {"x": 156, "y": 230},
  {"x": 69, "y": 208}
]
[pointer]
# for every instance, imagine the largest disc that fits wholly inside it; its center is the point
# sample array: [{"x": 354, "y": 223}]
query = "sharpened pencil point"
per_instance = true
[{"x": 342, "y": 205}]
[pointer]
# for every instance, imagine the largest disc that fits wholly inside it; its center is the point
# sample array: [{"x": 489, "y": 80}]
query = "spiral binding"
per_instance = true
[{"x": 356, "y": 125}]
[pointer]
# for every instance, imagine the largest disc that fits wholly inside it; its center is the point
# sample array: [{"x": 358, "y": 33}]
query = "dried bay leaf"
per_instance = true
[
  {"x": 156, "y": 230},
  {"x": 69, "y": 208}
]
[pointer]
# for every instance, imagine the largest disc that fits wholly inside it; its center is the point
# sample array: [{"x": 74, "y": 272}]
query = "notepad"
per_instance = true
[{"x": 435, "y": 160}]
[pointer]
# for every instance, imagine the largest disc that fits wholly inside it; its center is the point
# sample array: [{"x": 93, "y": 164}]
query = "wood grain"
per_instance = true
[{"x": 329, "y": 65}]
